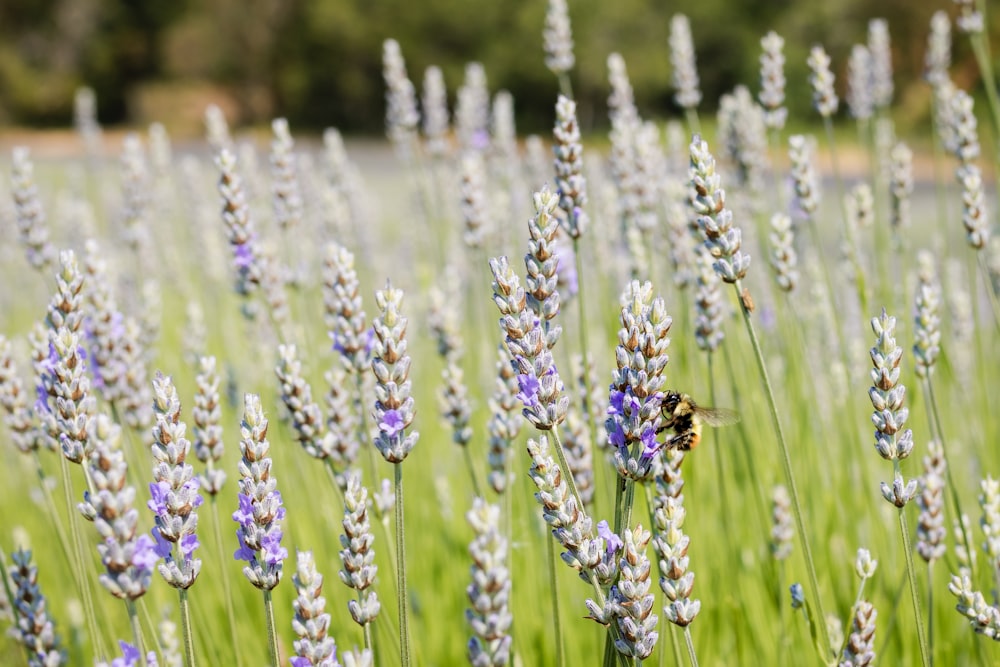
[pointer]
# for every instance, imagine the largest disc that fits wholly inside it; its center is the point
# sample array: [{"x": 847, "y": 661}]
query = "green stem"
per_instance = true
[
  {"x": 226, "y": 590},
  {"x": 186, "y": 629},
  {"x": 81, "y": 558},
  {"x": 912, "y": 576},
  {"x": 938, "y": 432},
  {"x": 690, "y": 645},
  {"x": 980, "y": 48},
  {"x": 50, "y": 507},
  {"x": 272, "y": 634},
  {"x": 930, "y": 611},
  {"x": 565, "y": 87},
  {"x": 133, "y": 619},
  {"x": 404, "y": 631},
  {"x": 694, "y": 126},
  {"x": 556, "y": 616},
  {"x": 678, "y": 658},
  {"x": 476, "y": 488},
  {"x": 786, "y": 463},
  {"x": 363, "y": 439}
]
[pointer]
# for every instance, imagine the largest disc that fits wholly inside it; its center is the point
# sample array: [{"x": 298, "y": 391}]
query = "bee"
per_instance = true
[{"x": 686, "y": 418}]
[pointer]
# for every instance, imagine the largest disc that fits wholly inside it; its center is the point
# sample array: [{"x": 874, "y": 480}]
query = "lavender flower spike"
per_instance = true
[
  {"x": 314, "y": 647},
  {"x": 174, "y": 490},
  {"x": 558, "y": 38},
  {"x": 394, "y": 409},
  {"x": 34, "y": 629},
  {"x": 30, "y": 216},
  {"x": 722, "y": 239},
  {"x": 489, "y": 591},
  {"x": 128, "y": 559},
  {"x": 260, "y": 511}
]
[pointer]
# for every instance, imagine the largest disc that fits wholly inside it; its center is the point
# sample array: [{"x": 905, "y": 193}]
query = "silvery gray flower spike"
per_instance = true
[
  {"x": 314, "y": 646},
  {"x": 715, "y": 221},
  {"x": 21, "y": 423},
  {"x": 878, "y": 46},
  {"x": 401, "y": 115},
  {"x": 34, "y": 628},
  {"x": 434, "y": 101},
  {"x": 682, "y": 60},
  {"x": 860, "y": 100},
  {"x": 937, "y": 58},
  {"x": 931, "y": 532},
  {"x": 557, "y": 38},
  {"x": 772, "y": 80},
  {"x": 571, "y": 184},
  {"x": 489, "y": 592},
  {"x": 357, "y": 555},
  {"x": 821, "y": 79},
  {"x": 207, "y": 430},
  {"x": 33, "y": 231}
]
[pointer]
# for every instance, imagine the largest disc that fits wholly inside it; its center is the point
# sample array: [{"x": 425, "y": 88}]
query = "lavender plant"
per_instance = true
[{"x": 314, "y": 647}]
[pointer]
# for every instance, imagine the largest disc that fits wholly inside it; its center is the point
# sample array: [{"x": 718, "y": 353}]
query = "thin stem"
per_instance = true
[
  {"x": 404, "y": 631},
  {"x": 82, "y": 581},
  {"x": 565, "y": 87},
  {"x": 912, "y": 576},
  {"x": 363, "y": 439},
  {"x": 980, "y": 48},
  {"x": 988, "y": 284},
  {"x": 366, "y": 629},
  {"x": 694, "y": 126},
  {"x": 786, "y": 463},
  {"x": 678, "y": 658},
  {"x": 556, "y": 616},
  {"x": 719, "y": 459},
  {"x": 564, "y": 465},
  {"x": 272, "y": 634},
  {"x": 930, "y": 611},
  {"x": 133, "y": 619},
  {"x": 50, "y": 507},
  {"x": 938, "y": 433},
  {"x": 186, "y": 635},
  {"x": 226, "y": 590},
  {"x": 690, "y": 645},
  {"x": 467, "y": 455}
]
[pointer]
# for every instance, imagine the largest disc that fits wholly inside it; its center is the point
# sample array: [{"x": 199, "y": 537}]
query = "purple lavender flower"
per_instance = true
[
  {"x": 392, "y": 422},
  {"x": 174, "y": 493},
  {"x": 529, "y": 386},
  {"x": 260, "y": 511},
  {"x": 612, "y": 543},
  {"x": 131, "y": 657}
]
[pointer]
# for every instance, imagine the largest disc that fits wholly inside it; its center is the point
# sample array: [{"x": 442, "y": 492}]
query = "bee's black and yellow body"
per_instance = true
[{"x": 685, "y": 418}]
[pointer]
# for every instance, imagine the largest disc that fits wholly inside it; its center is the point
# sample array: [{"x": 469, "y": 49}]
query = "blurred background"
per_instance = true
[{"x": 318, "y": 62}]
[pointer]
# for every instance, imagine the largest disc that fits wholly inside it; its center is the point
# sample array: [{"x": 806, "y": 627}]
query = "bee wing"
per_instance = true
[{"x": 717, "y": 416}]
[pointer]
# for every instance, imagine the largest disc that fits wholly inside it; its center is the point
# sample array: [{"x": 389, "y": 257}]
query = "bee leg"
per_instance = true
[{"x": 683, "y": 441}]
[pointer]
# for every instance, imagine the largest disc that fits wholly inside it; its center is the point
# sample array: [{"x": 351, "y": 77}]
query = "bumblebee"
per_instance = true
[{"x": 685, "y": 418}]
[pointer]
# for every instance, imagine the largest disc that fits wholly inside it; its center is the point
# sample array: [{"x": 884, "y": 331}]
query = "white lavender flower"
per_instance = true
[
  {"x": 860, "y": 648},
  {"x": 207, "y": 430},
  {"x": 860, "y": 100},
  {"x": 474, "y": 205},
  {"x": 33, "y": 232},
  {"x": 314, "y": 646},
  {"x": 217, "y": 129},
  {"x": 782, "y": 530},
  {"x": 85, "y": 119},
  {"x": 821, "y": 79},
  {"x": 900, "y": 186},
  {"x": 344, "y": 311},
  {"x": 970, "y": 19},
  {"x": 435, "y": 106},
  {"x": 772, "y": 80},
  {"x": 571, "y": 184},
  {"x": 296, "y": 394},
  {"x": 715, "y": 221},
  {"x": 682, "y": 60},
  {"x": 174, "y": 490},
  {"x": 505, "y": 421},
  {"x": 892, "y": 442},
  {"x": 708, "y": 305},
  {"x": 983, "y": 617},
  {"x": 472, "y": 112},
  {"x": 285, "y": 189},
  {"x": 926, "y": 320},
  {"x": 931, "y": 532},
  {"x": 260, "y": 506},
  {"x": 801, "y": 155},
  {"x": 557, "y": 38},
  {"x": 671, "y": 545},
  {"x": 358, "y": 557},
  {"x": 743, "y": 135},
  {"x": 24, "y": 429},
  {"x": 239, "y": 225},
  {"x": 128, "y": 558},
  {"x": 631, "y": 600},
  {"x": 784, "y": 259},
  {"x": 135, "y": 192},
  {"x": 541, "y": 263},
  {"x": 34, "y": 629},
  {"x": 937, "y": 58},
  {"x": 489, "y": 592},
  {"x": 401, "y": 115},
  {"x": 878, "y": 46}
]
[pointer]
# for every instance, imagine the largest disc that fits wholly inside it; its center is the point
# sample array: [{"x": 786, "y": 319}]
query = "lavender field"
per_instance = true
[{"x": 713, "y": 389}]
